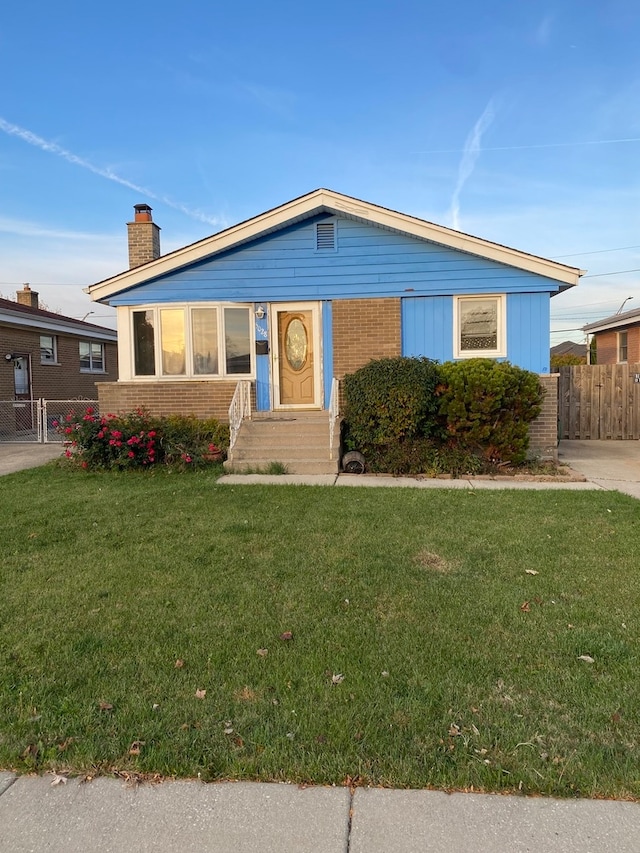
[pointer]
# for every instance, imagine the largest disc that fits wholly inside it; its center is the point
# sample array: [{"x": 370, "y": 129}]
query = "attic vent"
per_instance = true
[{"x": 326, "y": 235}]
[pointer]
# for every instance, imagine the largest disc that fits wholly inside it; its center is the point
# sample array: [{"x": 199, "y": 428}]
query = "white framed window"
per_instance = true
[
  {"x": 91, "y": 357},
  {"x": 48, "y": 349},
  {"x": 479, "y": 326},
  {"x": 622, "y": 346},
  {"x": 206, "y": 340}
]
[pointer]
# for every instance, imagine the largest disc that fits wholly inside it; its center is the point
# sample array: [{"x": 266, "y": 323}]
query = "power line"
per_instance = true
[{"x": 596, "y": 252}]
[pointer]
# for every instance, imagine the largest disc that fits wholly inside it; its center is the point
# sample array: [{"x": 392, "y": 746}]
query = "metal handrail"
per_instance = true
[
  {"x": 239, "y": 409},
  {"x": 334, "y": 412}
]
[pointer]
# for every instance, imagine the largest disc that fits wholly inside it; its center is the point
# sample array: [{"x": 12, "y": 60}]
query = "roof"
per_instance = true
[
  {"x": 615, "y": 321},
  {"x": 17, "y": 314},
  {"x": 569, "y": 348},
  {"x": 328, "y": 201}
]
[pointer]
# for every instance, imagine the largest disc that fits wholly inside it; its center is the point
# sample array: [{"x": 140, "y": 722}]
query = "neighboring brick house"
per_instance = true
[
  {"x": 617, "y": 338},
  {"x": 47, "y": 355},
  {"x": 298, "y": 296}
]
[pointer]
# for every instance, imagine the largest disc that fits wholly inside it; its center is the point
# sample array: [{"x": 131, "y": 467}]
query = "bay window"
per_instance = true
[{"x": 198, "y": 341}]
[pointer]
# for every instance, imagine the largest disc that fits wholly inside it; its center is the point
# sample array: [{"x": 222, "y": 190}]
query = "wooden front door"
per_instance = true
[{"x": 296, "y": 366}]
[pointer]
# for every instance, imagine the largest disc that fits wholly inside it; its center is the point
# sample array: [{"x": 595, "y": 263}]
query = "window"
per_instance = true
[
  {"x": 91, "y": 357},
  {"x": 622, "y": 346},
  {"x": 479, "y": 326},
  {"x": 192, "y": 341},
  {"x": 48, "y": 349}
]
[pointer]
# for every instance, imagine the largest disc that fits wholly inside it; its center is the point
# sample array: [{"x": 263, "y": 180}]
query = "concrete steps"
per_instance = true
[{"x": 297, "y": 440}]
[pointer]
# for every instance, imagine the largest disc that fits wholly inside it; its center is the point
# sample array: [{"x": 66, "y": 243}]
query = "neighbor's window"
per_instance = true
[
  {"x": 192, "y": 341},
  {"x": 48, "y": 349},
  {"x": 91, "y": 357},
  {"x": 622, "y": 346},
  {"x": 479, "y": 326}
]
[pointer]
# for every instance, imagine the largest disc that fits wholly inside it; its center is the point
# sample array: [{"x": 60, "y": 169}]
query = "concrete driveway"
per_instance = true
[
  {"x": 609, "y": 464},
  {"x": 15, "y": 457}
]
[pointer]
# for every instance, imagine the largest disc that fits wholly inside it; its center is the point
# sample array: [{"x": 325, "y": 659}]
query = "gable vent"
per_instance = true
[{"x": 325, "y": 235}]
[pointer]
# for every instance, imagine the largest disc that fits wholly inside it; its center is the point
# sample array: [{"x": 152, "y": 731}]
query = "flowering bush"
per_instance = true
[{"x": 138, "y": 440}]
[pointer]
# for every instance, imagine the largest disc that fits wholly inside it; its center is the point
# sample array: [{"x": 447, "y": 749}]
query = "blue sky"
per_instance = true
[{"x": 518, "y": 122}]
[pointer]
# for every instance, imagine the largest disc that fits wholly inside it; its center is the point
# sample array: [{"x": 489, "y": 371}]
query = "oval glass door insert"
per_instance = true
[{"x": 296, "y": 344}]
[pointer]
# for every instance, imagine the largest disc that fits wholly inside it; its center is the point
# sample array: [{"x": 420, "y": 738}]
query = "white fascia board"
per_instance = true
[
  {"x": 327, "y": 200},
  {"x": 59, "y": 327},
  {"x": 606, "y": 326}
]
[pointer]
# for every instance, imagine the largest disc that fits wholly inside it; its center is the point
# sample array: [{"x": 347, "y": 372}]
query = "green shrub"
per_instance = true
[
  {"x": 390, "y": 401},
  {"x": 487, "y": 406},
  {"x": 138, "y": 440}
]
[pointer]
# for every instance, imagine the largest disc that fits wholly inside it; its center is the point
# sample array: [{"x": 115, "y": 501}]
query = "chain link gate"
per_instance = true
[{"x": 33, "y": 421}]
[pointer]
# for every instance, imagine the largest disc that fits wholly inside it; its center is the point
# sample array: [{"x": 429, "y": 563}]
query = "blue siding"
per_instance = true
[
  {"x": 327, "y": 350},
  {"x": 263, "y": 394},
  {"x": 528, "y": 326},
  {"x": 427, "y": 327},
  {"x": 369, "y": 262}
]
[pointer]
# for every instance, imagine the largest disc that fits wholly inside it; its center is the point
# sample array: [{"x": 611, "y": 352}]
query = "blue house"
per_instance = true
[{"x": 263, "y": 319}]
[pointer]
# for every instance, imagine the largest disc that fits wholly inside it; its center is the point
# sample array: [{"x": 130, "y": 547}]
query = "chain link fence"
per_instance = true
[{"x": 34, "y": 420}]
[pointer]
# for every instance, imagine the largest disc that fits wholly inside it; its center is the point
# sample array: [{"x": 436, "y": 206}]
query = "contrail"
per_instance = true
[
  {"x": 542, "y": 145},
  {"x": 70, "y": 157},
  {"x": 470, "y": 155}
]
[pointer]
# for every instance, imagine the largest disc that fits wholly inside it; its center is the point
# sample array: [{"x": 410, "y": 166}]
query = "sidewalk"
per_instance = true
[{"x": 243, "y": 817}]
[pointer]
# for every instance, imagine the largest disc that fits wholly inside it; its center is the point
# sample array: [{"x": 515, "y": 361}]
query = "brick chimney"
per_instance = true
[
  {"x": 28, "y": 297},
  {"x": 144, "y": 237}
]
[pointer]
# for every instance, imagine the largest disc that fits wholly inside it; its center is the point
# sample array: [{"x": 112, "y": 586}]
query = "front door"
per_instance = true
[
  {"x": 296, "y": 365},
  {"x": 22, "y": 392}
]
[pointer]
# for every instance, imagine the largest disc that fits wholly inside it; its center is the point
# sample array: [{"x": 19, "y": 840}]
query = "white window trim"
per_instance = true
[
  {"x": 619, "y": 347},
  {"x": 92, "y": 369},
  {"x": 127, "y": 371},
  {"x": 501, "y": 350}
]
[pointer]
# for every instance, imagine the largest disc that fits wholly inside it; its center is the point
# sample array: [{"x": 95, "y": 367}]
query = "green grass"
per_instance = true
[{"x": 414, "y": 596}]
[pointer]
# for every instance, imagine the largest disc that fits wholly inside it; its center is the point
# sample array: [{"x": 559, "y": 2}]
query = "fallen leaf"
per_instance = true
[
  {"x": 105, "y": 706},
  {"x": 155, "y": 706},
  {"x": 586, "y": 658},
  {"x": 135, "y": 747},
  {"x": 262, "y": 652},
  {"x": 65, "y": 744},
  {"x": 531, "y": 572},
  {"x": 526, "y": 607},
  {"x": 454, "y": 730},
  {"x": 200, "y": 694},
  {"x": 291, "y": 735},
  {"x": 616, "y": 717},
  {"x": 178, "y": 664},
  {"x": 286, "y": 635},
  {"x": 228, "y": 730},
  {"x": 384, "y": 673},
  {"x": 58, "y": 780},
  {"x": 337, "y": 678}
]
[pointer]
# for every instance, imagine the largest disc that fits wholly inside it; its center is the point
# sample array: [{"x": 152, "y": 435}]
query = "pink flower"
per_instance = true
[
  {"x": 90, "y": 410},
  {"x": 54, "y": 423},
  {"x": 85, "y": 465},
  {"x": 68, "y": 454},
  {"x": 131, "y": 454}
]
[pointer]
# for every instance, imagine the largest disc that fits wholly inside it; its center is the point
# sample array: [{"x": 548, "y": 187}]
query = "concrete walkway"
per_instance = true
[
  {"x": 17, "y": 457},
  {"x": 44, "y": 814}
]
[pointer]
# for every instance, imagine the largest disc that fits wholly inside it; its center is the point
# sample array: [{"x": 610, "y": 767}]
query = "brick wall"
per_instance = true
[
  {"x": 204, "y": 399},
  {"x": 144, "y": 242},
  {"x": 543, "y": 432},
  {"x": 364, "y": 329},
  {"x": 607, "y": 346},
  {"x": 61, "y": 381}
]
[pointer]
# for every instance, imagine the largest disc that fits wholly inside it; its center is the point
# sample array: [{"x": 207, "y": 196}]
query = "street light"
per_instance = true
[{"x": 619, "y": 311}]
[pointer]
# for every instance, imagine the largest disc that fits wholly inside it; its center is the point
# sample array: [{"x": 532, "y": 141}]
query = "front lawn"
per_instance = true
[{"x": 443, "y": 638}]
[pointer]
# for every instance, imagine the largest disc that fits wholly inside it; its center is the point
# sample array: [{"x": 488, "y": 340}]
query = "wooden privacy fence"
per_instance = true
[{"x": 599, "y": 401}]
